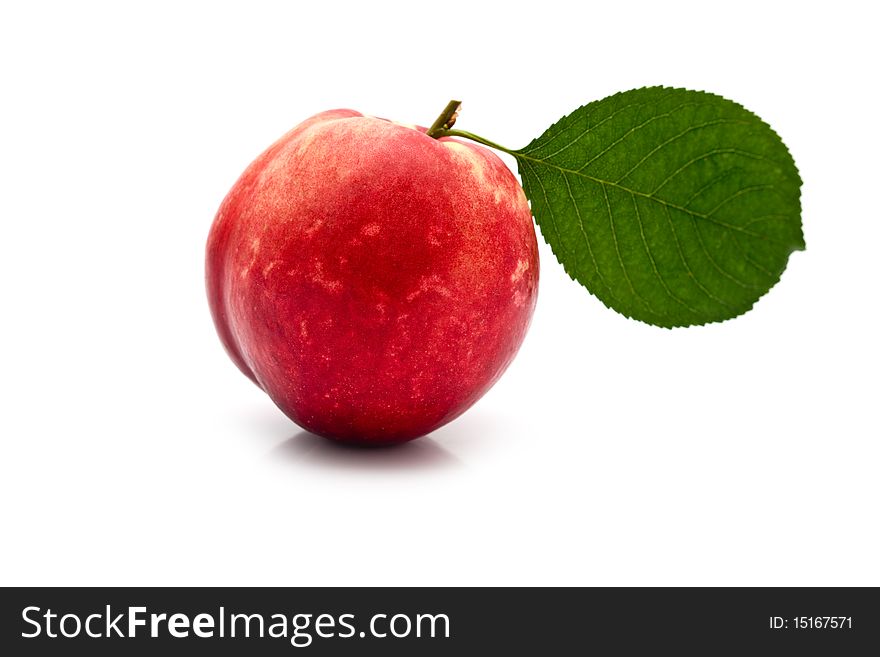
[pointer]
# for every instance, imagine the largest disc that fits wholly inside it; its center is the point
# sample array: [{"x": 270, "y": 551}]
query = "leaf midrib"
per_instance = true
[{"x": 624, "y": 188}]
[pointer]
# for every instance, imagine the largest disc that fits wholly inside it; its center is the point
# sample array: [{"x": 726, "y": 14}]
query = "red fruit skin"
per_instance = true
[{"x": 374, "y": 281}]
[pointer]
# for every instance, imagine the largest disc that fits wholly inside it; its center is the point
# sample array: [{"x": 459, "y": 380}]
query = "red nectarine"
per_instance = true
[{"x": 373, "y": 280}]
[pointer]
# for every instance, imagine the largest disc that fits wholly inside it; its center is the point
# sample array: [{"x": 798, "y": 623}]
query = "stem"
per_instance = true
[
  {"x": 442, "y": 127},
  {"x": 473, "y": 137},
  {"x": 445, "y": 120}
]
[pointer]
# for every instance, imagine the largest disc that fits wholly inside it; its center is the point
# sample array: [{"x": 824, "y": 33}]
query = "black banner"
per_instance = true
[{"x": 438, "y": 621}]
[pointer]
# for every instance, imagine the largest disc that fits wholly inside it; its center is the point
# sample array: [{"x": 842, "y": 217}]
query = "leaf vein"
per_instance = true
[
  {"x": 737, "y": 194},
  {"x": 656, "y": 199},
  {"x": 675, "y": 138},
  {"x": 587, "y": 131},
  {"x": 757, "y": 265},
  {"x": 722, "y": 176},
  {"x": 619, "y": 258},
  {"x": 586, "y": 237},
  {"x": 713, "y": 152},
  {"x": 654, "y": 263},
  {"x": 718, "y": 268},
  {"x": 687, "y": 266},
  {"x": 550, "y": 210},
  {"x": 766, "y": 217},
  {"x": 632, "y": 130}
]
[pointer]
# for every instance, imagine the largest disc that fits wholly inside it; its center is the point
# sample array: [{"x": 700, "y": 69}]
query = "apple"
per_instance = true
[{"x": 374, "y": 281}]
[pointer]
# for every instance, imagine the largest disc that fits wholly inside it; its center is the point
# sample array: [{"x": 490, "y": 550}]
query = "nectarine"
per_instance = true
[{"x": 373, "y": 280}]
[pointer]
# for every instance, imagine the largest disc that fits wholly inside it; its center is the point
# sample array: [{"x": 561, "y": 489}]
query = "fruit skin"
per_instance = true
[{"x": 374, "y": 281}]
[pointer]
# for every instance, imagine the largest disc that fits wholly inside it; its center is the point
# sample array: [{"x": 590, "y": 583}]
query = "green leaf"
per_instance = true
[{"x": 674, "y": 207}]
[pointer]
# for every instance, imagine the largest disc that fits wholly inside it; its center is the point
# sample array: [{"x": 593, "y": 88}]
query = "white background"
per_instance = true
[{"x": 614, "y": 453}]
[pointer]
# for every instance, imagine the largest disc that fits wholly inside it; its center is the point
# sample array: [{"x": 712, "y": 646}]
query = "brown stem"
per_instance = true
[{"x": 446, "y": 119}]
